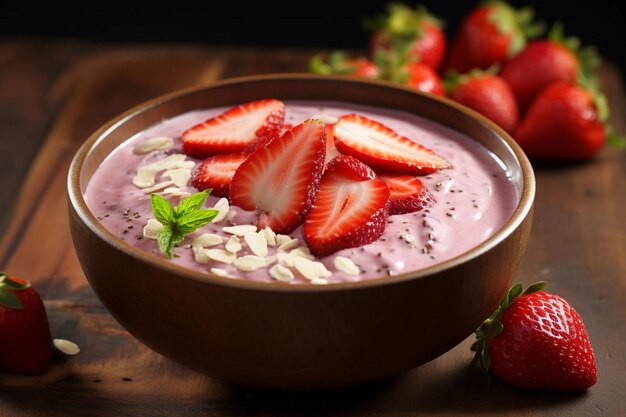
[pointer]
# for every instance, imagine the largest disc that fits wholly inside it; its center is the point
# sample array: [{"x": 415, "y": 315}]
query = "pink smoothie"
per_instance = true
[{"x": 474, "y": 198}]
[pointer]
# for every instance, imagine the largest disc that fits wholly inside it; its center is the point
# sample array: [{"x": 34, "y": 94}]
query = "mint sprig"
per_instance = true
[{"x": 180, "y": 220}]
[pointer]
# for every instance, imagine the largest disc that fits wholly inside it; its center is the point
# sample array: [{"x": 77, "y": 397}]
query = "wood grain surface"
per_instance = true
[{"x": 53, "y": 95}]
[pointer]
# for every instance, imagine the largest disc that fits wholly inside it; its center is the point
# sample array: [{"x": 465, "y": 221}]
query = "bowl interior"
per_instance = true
[{"x": 307, "y": 87}]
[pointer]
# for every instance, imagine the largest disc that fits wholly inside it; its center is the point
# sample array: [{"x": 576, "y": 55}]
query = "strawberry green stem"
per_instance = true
[{"x": 7, "y": 286}]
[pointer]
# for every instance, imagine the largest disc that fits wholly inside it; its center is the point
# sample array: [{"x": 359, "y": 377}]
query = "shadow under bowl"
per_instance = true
[{"x": 298, "y": 337}]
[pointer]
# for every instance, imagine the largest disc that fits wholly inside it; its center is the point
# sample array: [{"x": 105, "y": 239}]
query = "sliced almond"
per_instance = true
[
  {"x": 175, "y": 192},
  {"x": 219, "y": 272},
  {"x": 157, "y": 187},
  {"x": 207, "y": 239},
  {"x": 302, "y": 252},
  {"x": 200, "y": 255},
  {"x": 231, "y": 215},
  {"x": 182, "y": 165},
  {"x": 256, "y": 243},
  {"x": 153, "y": 144},
  {"x": 180, "y": 176},
  {"x": 152, "y": 228},
  {"x": 346, "y": 266},
  {"x": 220, "y": 255},
  {"x": 281, "y": 273},
  {"x": 310, "y": 269},
  {"x": 270, "y": 236},
  {"x": 319, "y": 281},
  {"x": 223, "y": 209},
  {"x": 67, "y": 347},
  {"x": 280, "y": 239},
  {"x": 250, "y": 263},
  {"x": 288, "y": 245},
  {"x": 146, "y": 174},
  {"x": 240, "y": 230},
  {"x": 233, "y": 245}
]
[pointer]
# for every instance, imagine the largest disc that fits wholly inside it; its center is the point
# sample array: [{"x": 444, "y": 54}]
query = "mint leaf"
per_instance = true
[
  {"x": 191, "y": 203},
  {"x": 177, "y": 222},
  {"x": 162, "y": 210},
  {"x": 194, "y": 220}
]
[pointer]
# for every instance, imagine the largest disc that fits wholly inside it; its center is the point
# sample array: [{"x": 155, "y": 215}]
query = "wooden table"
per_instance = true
[{"x": 53, "y": 95}]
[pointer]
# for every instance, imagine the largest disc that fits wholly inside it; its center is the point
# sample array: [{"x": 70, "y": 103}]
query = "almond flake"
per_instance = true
[
  {"x": 302, "y": 252},
  {"x": 219, "y": 272},
  {"x": 223, "y": 209},
  {"x": 280, "y": 239},
  {"x": 346, "y": 266},
  {"x": 250, "y": 263},
  {"x": 290, "y": 244},
  {"x": 231, "y": 215},
  {"x": 240, "y": 230},
  {"x": 152, "y": 228},
  {"x": 146, "y": 174},
  {"x": 319, "y": 281},
  {"x": 233, "y": 245},
  {"x": 182, "y": 165},
  {"x": 207, "y": 239},
  {"x": 67, "y": 347},
  {"x": 310, "y": 269},
  {"x": 256, "y": 243},
  {"x": 220, "y": 255},
  {"x": 270, "y": 236},
  {"x": 153, "y": 144},
  {"x": 281, "y": 273},
  {"x": 199, "y": 255},
  {"x": 157, "y": 187},
  {"x": 180, "y": 176},
  {"x": 175, "y": 192}
]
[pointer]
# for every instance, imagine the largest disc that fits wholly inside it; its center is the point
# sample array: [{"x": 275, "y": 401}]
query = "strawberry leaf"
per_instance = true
[{"x": 8, "y": 299}]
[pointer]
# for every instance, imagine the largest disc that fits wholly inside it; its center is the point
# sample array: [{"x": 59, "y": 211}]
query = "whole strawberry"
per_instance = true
[
  {"x": 536, "y": 340},
  {"x": 415, "y": 33},
  {"x": 25, "y": 342},
  {"x": 486, "y": 93},
  {"x": 420, "y": 77},
  {"x": 565, "y": 123},
  {"x": 491, "y": 34},
  {"x": 545, "y": 61}
]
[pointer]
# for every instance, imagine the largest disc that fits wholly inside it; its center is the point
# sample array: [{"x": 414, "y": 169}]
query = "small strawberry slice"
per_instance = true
[
  {"x": 351, "y": 208},
  {"x": 216, "y": 172},
  {"x": 280, "y": 180},
  {"x": 235, "y": 129},
  {"x": 380, "y": 147},
  {"x": 408, "y": 194}
]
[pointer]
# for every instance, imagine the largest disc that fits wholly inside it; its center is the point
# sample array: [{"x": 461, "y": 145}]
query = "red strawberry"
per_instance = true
[
  {"x": 216, "y": 172},
  {"x": 543, "y": 62},
  {"x": 286, "y": 127},
  {"x": 421, "y": 77},
  {"x": 564, "y": 123},
  {"x": 490, "y": 34},
  {"x": 536, "y": 340},
  {"x": 351, "y": 208},
  {"x": 339, "y": 63},
  {"x": 280, "y": 180},
  {"x": 408, "y": 194},
  {"x": 415, "y": 33},
  {"x": 25, "y": 342},
  {"x": 487, "y": 94},
  {"x": 381, "y": 148},
  {"x": 235, "y": 129}
]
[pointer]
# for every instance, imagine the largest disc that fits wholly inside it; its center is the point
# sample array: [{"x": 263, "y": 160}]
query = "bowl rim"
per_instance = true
[{"x": 523, "y": 209}]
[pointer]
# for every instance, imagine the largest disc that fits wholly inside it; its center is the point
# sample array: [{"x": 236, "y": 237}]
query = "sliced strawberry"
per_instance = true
[
  {"x": 351, "y": 208},
  {"x": 380, "y": 147},
  {"x": 235, "y": 129},
  {"x": 331, "y": 150},
  {"x": 408, "y": 194},
  {"x": 216, "y": 172},
  {"x": 286, "y": 127},
  {"x": 280, "y": 180}
]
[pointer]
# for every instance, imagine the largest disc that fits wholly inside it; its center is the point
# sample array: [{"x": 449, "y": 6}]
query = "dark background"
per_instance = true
[{"x": 321, "y": 23}]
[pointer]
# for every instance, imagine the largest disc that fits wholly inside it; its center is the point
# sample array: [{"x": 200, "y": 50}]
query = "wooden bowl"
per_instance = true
[{"x": 298, "y": 337}]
